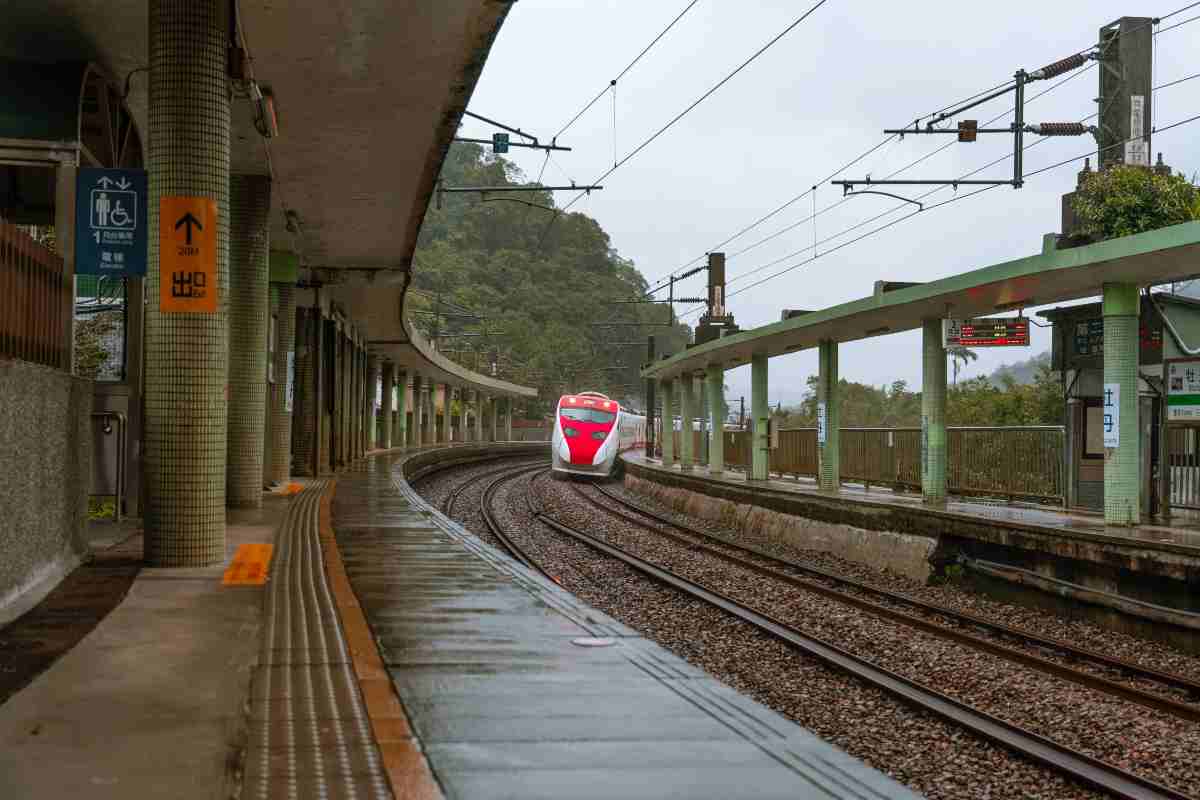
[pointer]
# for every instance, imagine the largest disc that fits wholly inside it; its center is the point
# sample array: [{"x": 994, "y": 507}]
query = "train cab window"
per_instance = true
[{"x": 589, "y": 415}]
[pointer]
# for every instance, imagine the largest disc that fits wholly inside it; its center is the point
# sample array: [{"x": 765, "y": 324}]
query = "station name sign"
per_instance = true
[{"x": 986, "y": 332}]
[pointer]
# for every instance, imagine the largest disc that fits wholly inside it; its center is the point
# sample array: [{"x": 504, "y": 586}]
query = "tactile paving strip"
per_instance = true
[{"x": 309, "y": 731}]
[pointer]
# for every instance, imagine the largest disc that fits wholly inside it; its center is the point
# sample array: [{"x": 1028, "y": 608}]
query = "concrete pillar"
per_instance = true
[
  {"x": 494, "y": 434},
  {"x": 716, "y": 411},
  {"x": 443, "y": 431},
  {"x": 687, "y": 418},
  {"x": 829, "y": 474},
  {"x": 508, "y": 419},
  {"x": 187, "y": 357},
  {"x": 478, "y": 416},
  {"x": 666, "y": 390},
  {"x": 249, "y": 296},
  {"x": 933, "y": 414},
  {"x": 372, "y": 392},
  {"x": 760, "y": 462},
  {"x": 385, "y": 411},
  {"x": 1119, "y": 399},
  {"x": 304, "y": 412}
]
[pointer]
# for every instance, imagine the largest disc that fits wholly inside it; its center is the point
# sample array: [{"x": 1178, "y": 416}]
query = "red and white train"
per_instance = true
[{"x": 590, "y": 429}]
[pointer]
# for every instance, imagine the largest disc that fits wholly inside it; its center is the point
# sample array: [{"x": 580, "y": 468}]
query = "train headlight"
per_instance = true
[
  {"x": 570, "y": 432},
  {"x": 599, "y": 436}
]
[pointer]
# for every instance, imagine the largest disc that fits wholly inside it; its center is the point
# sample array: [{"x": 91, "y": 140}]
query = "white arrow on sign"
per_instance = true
[
  {"x": 106, "y": 181},
  {"x": 123, "y": 184}
]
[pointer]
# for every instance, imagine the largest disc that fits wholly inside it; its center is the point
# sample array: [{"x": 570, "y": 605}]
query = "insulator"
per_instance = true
[
  {"x": 1059, "y": 67},
  {"x": 1060, "y": 129},
  {"x": 690, "y": 273}
]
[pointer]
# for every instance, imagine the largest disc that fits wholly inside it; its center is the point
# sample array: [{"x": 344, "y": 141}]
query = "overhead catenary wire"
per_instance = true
[
  {"x": 628, "y": 67},
  {"x": 662, "y": 282},
  {"x": 946, "y": 202},
  {"x": 708, "y": 93}
]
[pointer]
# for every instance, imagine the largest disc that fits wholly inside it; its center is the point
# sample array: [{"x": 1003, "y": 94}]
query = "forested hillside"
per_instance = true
[
  {"x": 496, "y": 282},
  {"x": 998, "y": 399}
]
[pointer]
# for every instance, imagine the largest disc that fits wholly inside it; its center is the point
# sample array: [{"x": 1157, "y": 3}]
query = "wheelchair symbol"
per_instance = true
[{"x": 114, "y": 209}]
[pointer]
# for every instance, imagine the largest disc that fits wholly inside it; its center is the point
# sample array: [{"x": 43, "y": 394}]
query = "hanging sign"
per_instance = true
[
  {"x": 1112, "y": 415},
  {"x": 986, "y": 332},
  {"x": 110, "y": 222},
  {"x": 187, "y": 236},
  {"x": 1183, "y": 390},
  {"x": 821, "y": 422}
]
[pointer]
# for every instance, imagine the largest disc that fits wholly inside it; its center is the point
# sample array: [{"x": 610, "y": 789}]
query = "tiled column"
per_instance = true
[
  {"x": 385, "y": 410},
  {"x": 829, "y": 476},
  {"x": 494, "y": 433},
  {"x": 1122, "y": 472},
  {"x": 666, "y": 390},
  {"x": 372, "y": 393},
  {"x": 187, "y": 353},
  {"x": 508, "y": 419},
  {"x": 760, "y": 463},
  {"x": 478, "y": 416},
  {"x": 716, "y": 410},
  {"x": 933, "y": 414},
  {"x": 249, "y": 209},
  {"x": 279, "y": 467},
  {"x": 402, "y": 408},
  {"x": 418, "y": 411}
]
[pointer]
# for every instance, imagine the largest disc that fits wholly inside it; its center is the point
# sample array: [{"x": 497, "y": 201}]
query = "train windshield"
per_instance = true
[{"x": 589, "y": 415}]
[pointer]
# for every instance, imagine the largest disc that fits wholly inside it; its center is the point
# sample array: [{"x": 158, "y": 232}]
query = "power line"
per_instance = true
[
  {"x": 955, "y": 199},
  {"x": 706, "y": 95},
  {"x": 661, "y": 282},
  {"x": 628, "y": 67}
]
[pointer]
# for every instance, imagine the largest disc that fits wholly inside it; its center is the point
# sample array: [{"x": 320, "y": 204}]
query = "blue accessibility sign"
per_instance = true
[{"x": 110, "y": 222}]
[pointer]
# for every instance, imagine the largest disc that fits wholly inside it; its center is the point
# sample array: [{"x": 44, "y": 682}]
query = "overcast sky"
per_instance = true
[{"x": 814, "y": 101}]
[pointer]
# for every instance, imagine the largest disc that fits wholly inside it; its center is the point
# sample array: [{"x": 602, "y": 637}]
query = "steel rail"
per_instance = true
[
  {"x": 1098, "y": 683},
  {"x": 1177, "y": 682},
  {"x": 485, "y": 510},
  {"x": 1076, "y": 765},
  {"x": 453, "y": 495}
]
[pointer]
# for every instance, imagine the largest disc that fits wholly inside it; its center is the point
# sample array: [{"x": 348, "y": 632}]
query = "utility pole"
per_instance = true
[
  {"x": 650, "y": 399},
  {"x": 1126, "y": 59}
]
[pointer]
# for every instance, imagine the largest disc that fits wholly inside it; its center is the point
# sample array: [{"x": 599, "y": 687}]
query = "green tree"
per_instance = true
[{"x": 1124, "y": 200}]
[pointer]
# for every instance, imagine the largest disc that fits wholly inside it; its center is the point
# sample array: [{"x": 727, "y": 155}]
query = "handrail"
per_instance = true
[{"x": 122, "y": 448}]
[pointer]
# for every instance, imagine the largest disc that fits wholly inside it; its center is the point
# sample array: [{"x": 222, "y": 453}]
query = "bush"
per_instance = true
[{"x": 1124, "y": 200}]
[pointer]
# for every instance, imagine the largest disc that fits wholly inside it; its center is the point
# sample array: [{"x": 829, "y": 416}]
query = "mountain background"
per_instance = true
[{"x": 509, "y": 286}]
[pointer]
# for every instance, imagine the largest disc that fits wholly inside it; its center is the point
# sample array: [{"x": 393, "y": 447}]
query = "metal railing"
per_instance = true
[
  {"x": 1183, "y": 452},
  {"x": 1017, "y": 463},
  {"x": 34, "y": 297}
]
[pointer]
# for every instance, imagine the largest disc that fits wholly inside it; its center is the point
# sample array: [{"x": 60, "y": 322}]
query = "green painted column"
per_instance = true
[
  {"x": 494, "y": 433},
  {"x": 829, "y": 474},
  {"x": 687, "y": 421},
  {"x": 666, "y": 390},
  {"x": 187, "y": 353},
  {"x": 385, "y": 405},
  {"x": 418, "y": 437},
  {"x": 402, "y": 408},
  {"x": 249, "y": 296},
  {"x": 933, "y": 413},
  {"x": 716, "y": 411},
  {"x": 508, "y": 419},
  {"x": 1122, "y": 463},
  {"x": 760, "y": 417}
]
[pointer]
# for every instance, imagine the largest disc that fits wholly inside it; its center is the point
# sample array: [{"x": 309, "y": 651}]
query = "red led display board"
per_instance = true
[{"x": 986, "y": 332}]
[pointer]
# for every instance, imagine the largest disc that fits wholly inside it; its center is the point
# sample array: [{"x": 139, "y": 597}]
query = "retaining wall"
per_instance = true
[{"x": 45, "y": 473}]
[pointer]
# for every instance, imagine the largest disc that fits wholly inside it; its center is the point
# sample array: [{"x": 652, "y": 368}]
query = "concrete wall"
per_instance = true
[{"x": 45, "y": 473}]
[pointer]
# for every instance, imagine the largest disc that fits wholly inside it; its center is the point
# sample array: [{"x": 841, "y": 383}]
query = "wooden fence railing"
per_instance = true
[
  {"x": 34, "y": 298},
  {"x": 1013, "y": 462}
]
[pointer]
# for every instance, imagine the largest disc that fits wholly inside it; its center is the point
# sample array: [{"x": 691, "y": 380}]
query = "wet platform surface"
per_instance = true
[
  {"x": 1182, "y": 532},
  {"x": 506, "y": 701}
]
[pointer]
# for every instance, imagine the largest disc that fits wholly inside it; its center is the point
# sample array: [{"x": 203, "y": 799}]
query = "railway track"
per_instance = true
[
  {"x": 452, "y": 496},
  {"x": 957, "y": 627},
  {"x": 1071, "y": 763},
  {"x": 485, "y": 510}
]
